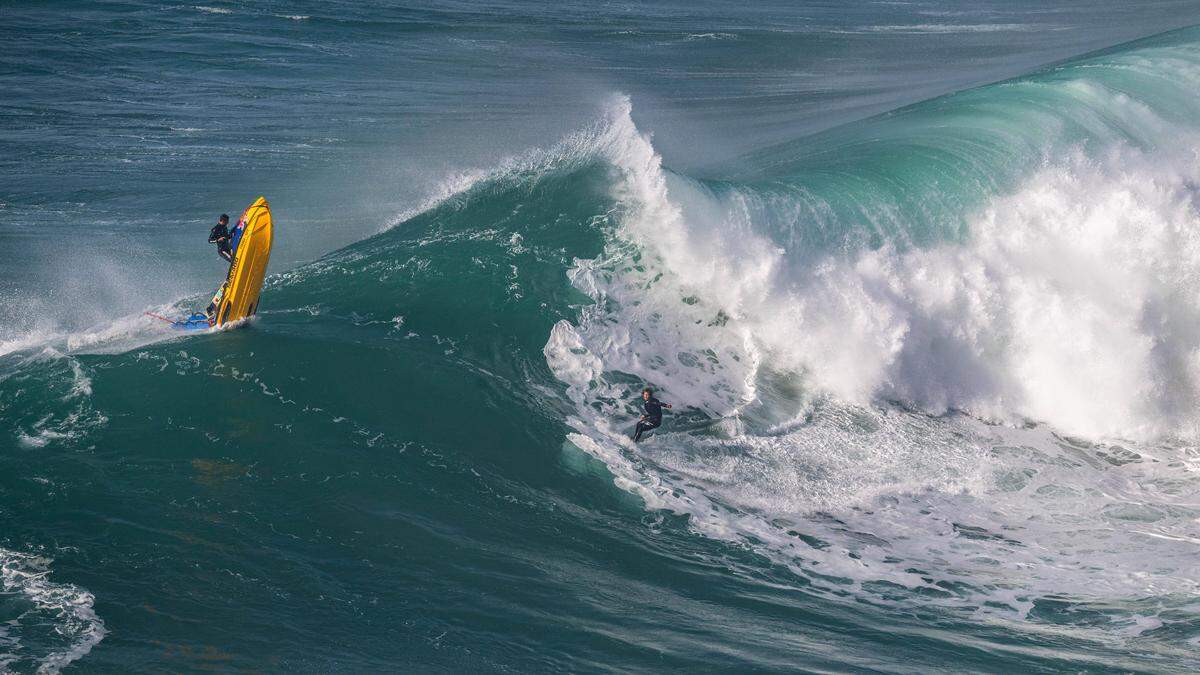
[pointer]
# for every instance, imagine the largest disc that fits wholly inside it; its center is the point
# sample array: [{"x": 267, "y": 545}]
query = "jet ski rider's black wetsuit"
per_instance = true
[
  {"x": 651, "y": 420},
  {"x": 223, "y": 239}
]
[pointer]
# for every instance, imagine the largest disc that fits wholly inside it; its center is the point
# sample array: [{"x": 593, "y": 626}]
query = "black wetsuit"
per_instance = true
[
  {"x": 653, "y": 417},
  {"x": 223, "y": 239}
]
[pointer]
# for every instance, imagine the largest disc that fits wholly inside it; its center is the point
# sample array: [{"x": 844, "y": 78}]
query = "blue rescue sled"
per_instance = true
[{"x": 197, "y": 321}]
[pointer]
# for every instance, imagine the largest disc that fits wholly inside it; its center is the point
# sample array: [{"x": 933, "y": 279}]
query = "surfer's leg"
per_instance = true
[{"x": 645, "y": 426}]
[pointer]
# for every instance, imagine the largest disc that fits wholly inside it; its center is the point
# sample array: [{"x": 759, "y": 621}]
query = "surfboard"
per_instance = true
[{"x": 237, "y": 297}]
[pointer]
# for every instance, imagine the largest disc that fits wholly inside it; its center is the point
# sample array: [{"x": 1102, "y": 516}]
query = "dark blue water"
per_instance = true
[{"x": 917, "y": 277}]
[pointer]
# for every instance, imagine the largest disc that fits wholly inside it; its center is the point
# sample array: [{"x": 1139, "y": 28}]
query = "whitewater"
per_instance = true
[
  {"x": 969, "y": 394},
  {"x": 933, "y": 347}
]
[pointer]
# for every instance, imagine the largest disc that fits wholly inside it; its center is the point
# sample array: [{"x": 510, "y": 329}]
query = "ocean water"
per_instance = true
[{"x": 918, "y": 277}]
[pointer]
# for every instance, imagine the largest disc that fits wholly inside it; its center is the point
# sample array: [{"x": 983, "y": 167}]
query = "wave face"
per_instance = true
[{"x": 935, "y": 376}]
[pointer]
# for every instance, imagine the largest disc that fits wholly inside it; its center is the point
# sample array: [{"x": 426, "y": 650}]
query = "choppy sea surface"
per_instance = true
[{"x": 920, "y": 279}]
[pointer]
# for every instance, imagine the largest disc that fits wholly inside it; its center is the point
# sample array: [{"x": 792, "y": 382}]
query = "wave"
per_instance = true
[
  {"x": 919, "y": 396},
  {"x": 946, "y": 357}
]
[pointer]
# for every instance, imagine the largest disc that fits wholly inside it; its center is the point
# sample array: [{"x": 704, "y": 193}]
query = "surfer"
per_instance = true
[
  {"x": 222, "y": 238},
  {"x": 653, "y": 417}
]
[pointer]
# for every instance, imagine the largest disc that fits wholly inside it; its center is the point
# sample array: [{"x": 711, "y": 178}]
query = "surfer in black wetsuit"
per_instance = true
[
  {"x": 222, "y": 238},
  {"x": 653, "y": 417}
]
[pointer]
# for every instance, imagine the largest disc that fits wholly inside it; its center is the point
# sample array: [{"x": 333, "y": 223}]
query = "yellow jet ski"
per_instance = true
[{"x": 237, "y": 298}]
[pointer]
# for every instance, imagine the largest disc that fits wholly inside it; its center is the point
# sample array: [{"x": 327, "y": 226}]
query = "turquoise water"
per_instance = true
[{"x": 919, "y": 279}]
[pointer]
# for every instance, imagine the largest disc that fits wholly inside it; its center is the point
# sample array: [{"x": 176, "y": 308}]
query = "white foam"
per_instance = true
[
  {"x": 81, "y": 384},
  {"x": 711, "y": 36},
  {"x": 1069, "y": 304},
  {"x": 68, "y": 607},
  {"x": 944, "y": 28}
]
